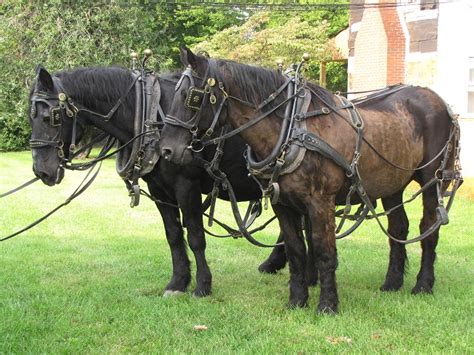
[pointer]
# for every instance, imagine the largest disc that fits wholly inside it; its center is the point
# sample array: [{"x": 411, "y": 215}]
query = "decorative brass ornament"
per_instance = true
[
  {"x": 62, "y": 96},
  {"x": 194, "y": 98},
  {"x": 306, "y": 57},
  {"x": 134, "y": 55},
  {"x": 147, "y": 52},
  {"x": 55, "y": 116},
  {"x": 211, "y": 82},
  {"x": 212, "y": 99}
]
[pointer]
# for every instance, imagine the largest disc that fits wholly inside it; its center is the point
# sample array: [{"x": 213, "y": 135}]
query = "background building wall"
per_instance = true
[
  {"x": 368, "y": 69},
  {"x": 455, "y": 48}
]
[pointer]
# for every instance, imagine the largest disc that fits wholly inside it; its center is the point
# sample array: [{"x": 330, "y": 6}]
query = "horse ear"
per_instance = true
[
  {"x": 44, "y": 79},
  {"x": 188, "y": 57}
]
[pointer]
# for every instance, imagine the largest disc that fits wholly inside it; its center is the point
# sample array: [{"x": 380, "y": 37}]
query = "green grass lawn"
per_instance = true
[{"x": 91, "y": 278}]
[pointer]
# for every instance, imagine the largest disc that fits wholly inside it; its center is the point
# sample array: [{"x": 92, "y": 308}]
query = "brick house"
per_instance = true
[{"x": 421, "y": 42}]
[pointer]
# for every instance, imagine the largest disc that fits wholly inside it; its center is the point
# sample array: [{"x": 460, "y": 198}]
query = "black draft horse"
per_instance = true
[
  {"x": 409, "y": 128},
  {"x": 98, "y": 90}
]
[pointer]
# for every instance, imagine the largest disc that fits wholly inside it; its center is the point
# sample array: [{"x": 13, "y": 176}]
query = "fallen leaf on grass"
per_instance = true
[
  {"x": 338, "y": 340},
  {"x": 376, "y": 336},
  {"x": 200, "y": 327}
]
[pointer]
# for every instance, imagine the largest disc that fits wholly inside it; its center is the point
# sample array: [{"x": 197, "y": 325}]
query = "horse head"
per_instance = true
[
  {"x": 197, "y": 109},
  {"x": 51, "y": 119}
]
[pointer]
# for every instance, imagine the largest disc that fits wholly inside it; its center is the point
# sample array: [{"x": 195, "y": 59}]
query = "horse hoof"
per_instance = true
[
  {"x": 327, "y": 309},
  {"x": 389, "y": 287},
  {"x": 292, "y": 304},
  {"x": 201, "y": 293},
  {"x": 171, "y": 293},
  {"x": 269, "y": 268},
  {"x": 422, "y": 290}
]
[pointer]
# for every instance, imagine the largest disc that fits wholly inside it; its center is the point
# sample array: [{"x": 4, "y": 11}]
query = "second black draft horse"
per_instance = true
[{"x": 410, "y": 128}]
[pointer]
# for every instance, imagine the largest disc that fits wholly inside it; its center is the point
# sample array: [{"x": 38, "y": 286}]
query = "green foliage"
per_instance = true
[
  {"x": 263, "y": 39},
  {"x": 268, "y": 36},
  {"x": 67, "y": 34},
  {"x": 63, "y": 34}
]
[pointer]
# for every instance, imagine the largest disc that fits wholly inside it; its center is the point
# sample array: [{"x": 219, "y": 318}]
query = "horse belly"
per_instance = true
[{"x": 395, "y": 139}]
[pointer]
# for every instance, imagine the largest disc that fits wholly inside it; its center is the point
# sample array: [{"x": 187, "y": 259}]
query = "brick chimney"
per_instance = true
[{"x": 395, "y": 43}]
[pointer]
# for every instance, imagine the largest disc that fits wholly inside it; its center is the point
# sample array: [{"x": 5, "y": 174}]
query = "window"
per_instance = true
[
  {"x": 428, "y": 4},
  {"x": 470, "y": 87},
  {"x": 470, "y": 102}
]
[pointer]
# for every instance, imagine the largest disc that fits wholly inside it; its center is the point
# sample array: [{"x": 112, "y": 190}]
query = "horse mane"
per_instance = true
[
  {"x": 91, "y": 85},
  {"x": 172, "y": 77},
  {"x": 257, "y": 83}
]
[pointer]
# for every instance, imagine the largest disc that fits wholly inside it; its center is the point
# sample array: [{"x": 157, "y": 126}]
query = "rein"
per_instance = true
[
  {"x": 83, "y": 186},
  {"x": 22, "y": 186}
]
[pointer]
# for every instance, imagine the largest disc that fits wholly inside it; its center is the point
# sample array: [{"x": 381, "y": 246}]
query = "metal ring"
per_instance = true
[
  {"x": 196, "y": 145},
  {"x": 325, "y": 110}
]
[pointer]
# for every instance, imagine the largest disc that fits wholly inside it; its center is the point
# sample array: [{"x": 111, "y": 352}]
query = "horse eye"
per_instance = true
[{"x": 183, "y": 93}]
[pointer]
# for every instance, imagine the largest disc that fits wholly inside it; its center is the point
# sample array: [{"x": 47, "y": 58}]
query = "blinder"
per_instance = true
[
  {"x": 55, "y": 116},
  {"x": 194, "y": 98}
]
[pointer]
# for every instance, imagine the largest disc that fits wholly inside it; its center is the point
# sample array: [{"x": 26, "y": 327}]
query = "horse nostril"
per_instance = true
[{"x": 167, "y": 152}]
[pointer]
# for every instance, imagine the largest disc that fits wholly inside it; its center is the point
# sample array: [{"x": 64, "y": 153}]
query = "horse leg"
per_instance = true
[
  {"x": 174, "y": 235},
  {"x": 181, "y": 276},
  {"x": 189, "y": 199},
  {"x": 323, "y": 225},
  {"x": 276, "y": 260},
  {"x": 397, "y": 227},
  {"x": 296, "y": 252},
  {"x": 311, "y": 262},
  {"x": 425, "y": 279}
]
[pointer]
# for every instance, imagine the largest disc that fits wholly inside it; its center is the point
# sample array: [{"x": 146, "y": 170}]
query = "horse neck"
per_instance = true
[
  {"x": 263, "y": 136},
  {"x": 100, "y": 96}
]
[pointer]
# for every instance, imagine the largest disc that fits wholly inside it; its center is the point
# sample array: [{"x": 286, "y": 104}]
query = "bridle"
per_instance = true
[
  {"x": 62, "y": 108},
  {"x": 197, "y": 98}
]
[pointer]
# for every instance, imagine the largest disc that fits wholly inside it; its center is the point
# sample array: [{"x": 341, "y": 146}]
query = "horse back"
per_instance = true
[{"x": 407, "y": 128}]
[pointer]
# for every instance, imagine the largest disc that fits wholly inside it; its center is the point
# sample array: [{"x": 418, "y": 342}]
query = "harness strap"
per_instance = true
[
  {"x": 119, "y": 102},
  {"x": 275, "y": 94},
  {"x": 313, "y": 142},
  {"x": 248, "y": 124}
]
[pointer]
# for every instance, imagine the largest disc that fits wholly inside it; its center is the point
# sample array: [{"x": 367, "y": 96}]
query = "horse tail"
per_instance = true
[{"x": 450, "y": 165}]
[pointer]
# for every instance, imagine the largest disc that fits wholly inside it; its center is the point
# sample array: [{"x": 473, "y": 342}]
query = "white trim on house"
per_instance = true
[{"x": 355, "y": 26}]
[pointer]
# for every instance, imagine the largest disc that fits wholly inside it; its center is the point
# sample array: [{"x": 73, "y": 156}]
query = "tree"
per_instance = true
[
  {"x": 259, "y": 41},
  {"x": 67, "y": 34}
]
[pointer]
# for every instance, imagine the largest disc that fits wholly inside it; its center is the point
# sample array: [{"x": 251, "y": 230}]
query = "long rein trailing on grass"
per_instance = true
[{"x": 85, "y": 183}]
